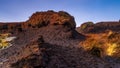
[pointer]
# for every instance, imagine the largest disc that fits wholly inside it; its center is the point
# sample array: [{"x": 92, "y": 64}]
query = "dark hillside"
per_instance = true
[{"x": 57, "y": 29}]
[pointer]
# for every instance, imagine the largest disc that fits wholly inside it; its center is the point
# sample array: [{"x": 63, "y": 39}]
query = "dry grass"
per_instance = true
[
  {"x": 3, "y": 42},
  {"x": 112, "y": 48},
  {"x": 107, "y": 44}
]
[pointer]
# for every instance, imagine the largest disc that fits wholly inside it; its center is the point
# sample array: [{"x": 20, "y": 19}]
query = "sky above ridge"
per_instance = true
[{"x": 82, "y": 10}]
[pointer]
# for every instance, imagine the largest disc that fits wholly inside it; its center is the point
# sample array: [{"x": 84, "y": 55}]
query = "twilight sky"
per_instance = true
[{"x": 82, "y": 10}]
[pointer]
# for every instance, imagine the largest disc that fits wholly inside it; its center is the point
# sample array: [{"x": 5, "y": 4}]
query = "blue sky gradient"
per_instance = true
[{"x": 82, "y": 10}]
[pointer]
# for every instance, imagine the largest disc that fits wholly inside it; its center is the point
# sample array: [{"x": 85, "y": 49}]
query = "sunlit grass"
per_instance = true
[
  {"x": 112, "y": 48},
  {"x": 4, "y": 43}
]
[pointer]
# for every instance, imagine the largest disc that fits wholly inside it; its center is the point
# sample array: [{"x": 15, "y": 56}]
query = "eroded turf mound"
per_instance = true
[
  {"x": 40, "y": 19},
  {"x": 99, "y": 27}
]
